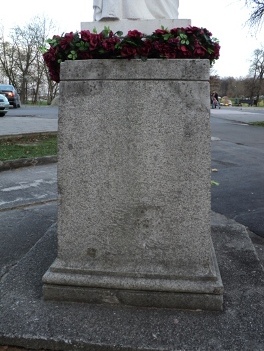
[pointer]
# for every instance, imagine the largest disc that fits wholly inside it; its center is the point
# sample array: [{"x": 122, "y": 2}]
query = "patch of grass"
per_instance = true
[
  {"x": 260, "y": 124},
  {"x": 28, "y": 146}
]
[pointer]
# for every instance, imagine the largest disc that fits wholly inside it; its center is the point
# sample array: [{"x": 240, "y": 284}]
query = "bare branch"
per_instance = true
[{"x": 257, "y": 12}]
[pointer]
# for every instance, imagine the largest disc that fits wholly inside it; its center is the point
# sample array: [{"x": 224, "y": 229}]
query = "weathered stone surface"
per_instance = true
[
  {"x": 155, "y": 70},
  {"x": 134, "y": 184}
]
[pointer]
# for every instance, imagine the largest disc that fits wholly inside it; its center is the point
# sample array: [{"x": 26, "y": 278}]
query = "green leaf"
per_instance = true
[
  {"x": 72, "y": 55},
  {"x": 43, "y": 49},
  {"x": 131, "y": 42},
  {"x": 119, "y": 33},
  {"x": 167, "y": 36},
  {"x": 106, "y": 31}
]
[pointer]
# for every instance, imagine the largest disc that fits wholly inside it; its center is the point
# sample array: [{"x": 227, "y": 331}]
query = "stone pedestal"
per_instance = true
[
  {"x": 144, "y": 26},
  {"x": 134, "y": 185}
]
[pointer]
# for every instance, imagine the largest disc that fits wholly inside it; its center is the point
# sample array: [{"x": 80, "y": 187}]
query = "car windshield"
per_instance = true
[{"x": 6, "y": 87}]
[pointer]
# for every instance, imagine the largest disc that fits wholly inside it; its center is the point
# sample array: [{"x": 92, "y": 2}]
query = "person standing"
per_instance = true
[
  {"x": 216, "y": 95},
  {"x": 215, "y": 100}
]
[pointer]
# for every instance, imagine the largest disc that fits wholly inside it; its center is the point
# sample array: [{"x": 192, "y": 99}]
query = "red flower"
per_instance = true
[
  {"x": 174, "y": 41},
  {"x": 134, "y": 34},
  {"x": 128, "y": 51},
  {"x": 161, "y": 31},
  {"x": 145, "y": 49},
  {"x": 190, "y": 42},
  {"x": 110, "y": 43},
  {"x": 85, "y": 35},
  {"x": 50, "y": 55},
  {"x": 67, "y": 40},
  {"x": 95, "y": 41},
  {"x": 174, "y": 31}
]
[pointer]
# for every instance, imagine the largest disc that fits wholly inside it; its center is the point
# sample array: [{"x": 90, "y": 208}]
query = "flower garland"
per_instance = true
[{"x": 191, "y": 42}]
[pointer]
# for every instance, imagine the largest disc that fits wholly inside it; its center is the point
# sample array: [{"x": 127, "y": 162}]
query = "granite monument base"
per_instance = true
[{"x": 134, "y": 179}]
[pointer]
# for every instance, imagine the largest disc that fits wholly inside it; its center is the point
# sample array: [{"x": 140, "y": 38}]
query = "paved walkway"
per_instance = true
[
  {"x": 22, "y": 125},
  {"x": 29, "y": 321}
]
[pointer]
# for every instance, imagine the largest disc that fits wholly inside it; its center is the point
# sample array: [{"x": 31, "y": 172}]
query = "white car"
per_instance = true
[{"x": 4, "y": 105}]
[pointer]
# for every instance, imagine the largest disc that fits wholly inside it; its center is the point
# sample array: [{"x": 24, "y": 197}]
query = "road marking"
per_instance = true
[{"x": 24, "y": 185}]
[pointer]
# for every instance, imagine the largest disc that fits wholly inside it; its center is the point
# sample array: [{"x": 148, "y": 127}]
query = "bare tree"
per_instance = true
[
  {"x": 257, "y": 12},
  {"x": 228, "y": 87},
  {"x": 215, "y": 83},
  {"x": 257, "y": 74},
  {"x": 22, "y": 62}
]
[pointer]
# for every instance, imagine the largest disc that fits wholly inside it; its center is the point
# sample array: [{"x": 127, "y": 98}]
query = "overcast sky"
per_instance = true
[{"x": 226, "y": 19}]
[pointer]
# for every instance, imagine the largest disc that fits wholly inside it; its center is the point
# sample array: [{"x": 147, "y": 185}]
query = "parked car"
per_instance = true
[
  {"x": 4, "y": 105},
  {"x": 11, "y": 94},
  {"x": 225, "y": 101}
]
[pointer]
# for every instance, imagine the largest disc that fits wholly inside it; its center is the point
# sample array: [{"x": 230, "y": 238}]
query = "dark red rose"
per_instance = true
[
  {"x": 85, "y": 35},
  {"x": 183, "y": 48},
  {"x": 174, "y": 31},
  {"x": 159, "y": 48},
  {"x": 95, "y": 41},
  {"x": 134, "y": 34},
  {"x": 216, "y": 53},
  {"x": 199, "y": 51},
  {"x": 128, "y": 51},
  {"x": 144, "y": 50},
  {"x": 110, "y": 43},
  {"x": 161, "y": 31},
  {"x": 54, "y": 71},
  {"x": 67, "y": 40},
  {"x": 174, "y": 41},
  {"x": 55, "y": 74},
  {"x": 50, "y": 55}
]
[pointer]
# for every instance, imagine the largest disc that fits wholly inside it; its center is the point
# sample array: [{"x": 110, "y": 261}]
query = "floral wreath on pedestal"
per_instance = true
[{"x": 177, "y": 43}]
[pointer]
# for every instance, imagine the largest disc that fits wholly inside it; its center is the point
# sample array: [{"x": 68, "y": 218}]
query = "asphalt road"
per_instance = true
[
  {"x": 27, "y": 186},
  {"x": 238, "y": 157},
  {"x": 49, "y": 112},
  {"x": 28, "y": 205}
]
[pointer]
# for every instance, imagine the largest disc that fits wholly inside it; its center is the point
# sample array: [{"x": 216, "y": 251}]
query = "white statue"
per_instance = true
[{"x": 135, "y": 9}]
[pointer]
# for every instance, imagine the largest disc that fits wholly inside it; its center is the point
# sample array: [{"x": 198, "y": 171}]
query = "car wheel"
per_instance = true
[{"x": 2, "y": 114}]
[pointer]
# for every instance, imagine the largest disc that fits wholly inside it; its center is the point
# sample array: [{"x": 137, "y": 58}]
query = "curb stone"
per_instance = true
[
  {"x": 30, "y": 134},
  {"x": 26, "y": 162}
]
